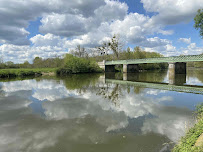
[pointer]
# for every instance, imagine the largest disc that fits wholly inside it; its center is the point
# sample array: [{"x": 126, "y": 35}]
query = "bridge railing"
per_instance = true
[{"x": 188, "y": 58}]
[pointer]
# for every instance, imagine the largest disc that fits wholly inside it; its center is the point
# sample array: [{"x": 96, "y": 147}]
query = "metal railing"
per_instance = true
[{"x": 188, "y": 58}]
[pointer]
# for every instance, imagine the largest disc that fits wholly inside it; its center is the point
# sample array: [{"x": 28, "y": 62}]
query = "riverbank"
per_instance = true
[
  {"x": 10, "y": 73},
  {"x": 193, "y": 140}
]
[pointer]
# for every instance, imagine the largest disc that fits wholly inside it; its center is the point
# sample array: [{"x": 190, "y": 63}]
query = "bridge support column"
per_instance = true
[
  {"x": 109, "y": 68},
  {"x": 102, "y": 65},
  {"x": 125, "y": 76},
  {"x": 175, "y": 69},
  {"x": 130, "y": 68}
]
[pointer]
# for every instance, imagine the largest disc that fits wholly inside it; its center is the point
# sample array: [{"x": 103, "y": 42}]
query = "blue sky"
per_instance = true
[{"x": 48, "y": 28}]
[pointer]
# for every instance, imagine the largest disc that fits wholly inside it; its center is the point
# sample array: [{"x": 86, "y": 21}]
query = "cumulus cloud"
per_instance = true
[
  {"x": 192, "y": 49},
  {"x": 167, "y": 50},
  {"x": 47, "y": 40},
  {"x": 185, "y": 40},
  {"x": 65, "y": 24},
  {"x": 172, "y": 12},
  {"x": 15, "y": 15},
  {"x": 19, "y": 54}
]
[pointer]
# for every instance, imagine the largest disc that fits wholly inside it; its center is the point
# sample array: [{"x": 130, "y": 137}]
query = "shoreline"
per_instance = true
[{"x": 193, "y": 139}]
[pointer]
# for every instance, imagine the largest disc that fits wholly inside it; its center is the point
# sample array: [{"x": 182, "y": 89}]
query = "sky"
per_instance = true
[{"x": 49, "y": 28}]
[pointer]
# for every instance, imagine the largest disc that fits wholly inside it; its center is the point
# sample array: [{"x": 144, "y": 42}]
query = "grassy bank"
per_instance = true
[
  {"x": 189, "y": 143},
  {"x": 10, "y": 73}
]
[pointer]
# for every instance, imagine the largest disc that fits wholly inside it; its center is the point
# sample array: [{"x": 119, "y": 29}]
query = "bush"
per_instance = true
[{"x": 73, "y": 65}]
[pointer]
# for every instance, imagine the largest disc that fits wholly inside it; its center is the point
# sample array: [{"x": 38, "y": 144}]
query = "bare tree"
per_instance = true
[{"x": 113, "y": 45}]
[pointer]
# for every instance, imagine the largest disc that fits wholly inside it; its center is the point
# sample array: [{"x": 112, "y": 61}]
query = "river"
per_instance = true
[{"x": 142, "y": 112}]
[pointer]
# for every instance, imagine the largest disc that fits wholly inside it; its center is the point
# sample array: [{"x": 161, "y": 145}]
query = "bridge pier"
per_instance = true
[
  {"x": 102, "y": 65},
  {"x": 130, "y": 68},
  {"x": 174, "y": 69},
  {"x": 125, "y": 76}
]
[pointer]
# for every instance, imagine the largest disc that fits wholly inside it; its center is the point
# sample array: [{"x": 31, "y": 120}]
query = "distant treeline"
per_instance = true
[
  {"x": 195, "y": 64},
  {"x": 136, "y": 53},
  {"x": 80, "y": 62},
  {"x": 37, "y": 63}
]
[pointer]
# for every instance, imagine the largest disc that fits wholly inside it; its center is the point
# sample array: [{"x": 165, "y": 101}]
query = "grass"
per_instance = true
[
  {"x": 187, "y": 143},
  {"x": 10, "y": 73}
]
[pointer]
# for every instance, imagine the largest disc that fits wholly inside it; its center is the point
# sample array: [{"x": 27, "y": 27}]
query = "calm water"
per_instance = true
[{"x": 88, "y": 113}]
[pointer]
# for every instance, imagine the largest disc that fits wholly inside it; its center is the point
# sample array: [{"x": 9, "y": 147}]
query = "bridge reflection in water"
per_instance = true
[{"x": 178, "y": 84}]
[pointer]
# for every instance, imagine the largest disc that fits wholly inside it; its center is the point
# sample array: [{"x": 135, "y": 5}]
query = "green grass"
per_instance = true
[
  {"x": 187, "y": 143},
  {"x": 9, "y": 73}
]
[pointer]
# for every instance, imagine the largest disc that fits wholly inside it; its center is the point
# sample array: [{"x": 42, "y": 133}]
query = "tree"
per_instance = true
[
  {"x": 103, "y": 50},
  {"x": 1, "y": 60},
  {"x": 37, "y": 62},
  {"x": 128, "y": 53},
  {"x": 80, "y": 51},
  {"x": 26, "y": 64},
  {"x": 113, "y": 45},
  {"x": 9, "y": 63},
  {"x": 199, "y": 21},
  {"x": 138, "y": 53}
]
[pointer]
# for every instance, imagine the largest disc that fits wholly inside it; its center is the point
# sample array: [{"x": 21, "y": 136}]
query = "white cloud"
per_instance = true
[
  {"x": 192, "y": 49},
  {"x": 185, "y": 40},
  {"x": 16, "y": 15},
  {"x": 47, "y": 40},
  {"x": 172, "y": 12},
  {"x": 19, "y": 54},
  {"x": 66, "y": 24}
]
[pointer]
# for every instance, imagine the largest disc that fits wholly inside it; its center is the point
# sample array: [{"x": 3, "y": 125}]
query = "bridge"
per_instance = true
[
  {"x": 177, "y": 64},
  {"x": 161, "y": 86}
]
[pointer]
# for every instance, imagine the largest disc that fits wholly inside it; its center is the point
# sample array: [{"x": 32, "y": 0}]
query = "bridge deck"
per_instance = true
[
  {"x": 161, "y": 86},
  {"x": 188, "y": 58}
]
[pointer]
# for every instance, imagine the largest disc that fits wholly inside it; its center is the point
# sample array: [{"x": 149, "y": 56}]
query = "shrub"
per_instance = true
[{"x": 73, "y": 65}]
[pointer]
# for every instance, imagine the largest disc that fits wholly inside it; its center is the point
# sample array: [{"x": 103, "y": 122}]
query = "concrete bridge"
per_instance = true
[{"x": 177, "y": 64}]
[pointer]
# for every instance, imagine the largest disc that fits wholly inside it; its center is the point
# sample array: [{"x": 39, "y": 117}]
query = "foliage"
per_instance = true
[
  {"x": 188, "y": 141},
  {"x": 9, "y": 73},
  {"x": 199, "y": 21},
  {"x": 199, "y": 111},
  {"x": 73, "y": 65},
  {"x": 47, "y": 63},
  {"x": 137, "y": 53},
  {"x": 113, "y": 45},
  {"x": 195, "y": 64}
]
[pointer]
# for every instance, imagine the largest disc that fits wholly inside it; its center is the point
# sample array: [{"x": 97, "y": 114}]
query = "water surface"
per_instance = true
[{"x": 87, "y": 113}]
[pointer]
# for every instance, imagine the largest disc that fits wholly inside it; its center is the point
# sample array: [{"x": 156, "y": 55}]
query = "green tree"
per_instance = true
[
  {"x": 138, "y": 53},
  {"x": 26, "y": 64},
  {"x": 199, "y": 21},
  {"x": 9, "y": 63},
  {"x": 37, "y": 62}
]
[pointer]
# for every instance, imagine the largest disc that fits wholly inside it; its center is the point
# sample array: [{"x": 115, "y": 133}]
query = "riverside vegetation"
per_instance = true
[
  {"x": 188, "y": 143},
  {"x": 77, "y": 62}
]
